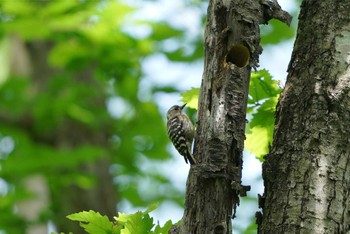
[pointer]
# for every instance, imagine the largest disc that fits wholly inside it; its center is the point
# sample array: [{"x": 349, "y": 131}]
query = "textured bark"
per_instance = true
[
  {"x": 214, "y": 183},
  {"x": 307, "y": 173}
]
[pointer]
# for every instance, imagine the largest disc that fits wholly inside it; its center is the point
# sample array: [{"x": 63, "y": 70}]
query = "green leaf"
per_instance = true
[
  {"x": 276, "y": 32},
  {"x": 257, "y": 141},
  {"x": 262, "y": 89},
  {"x": 94, "y": 222},
  {"x": 65, "y": 53},
  {"x": 260, "y": 129},
  {"x": 19, "y": 8},
  {"x": 140, "y": 222},
  {"x": 79, "y": 113},
  {"x": 262, "y": 86},
  {"x": 14, "y": 100},
  {"x": 163, "y": 230},
  {"x": 152, "y": 207},
  {"x": 191, "y": 98},
  {"x": 162, "y": 31}
]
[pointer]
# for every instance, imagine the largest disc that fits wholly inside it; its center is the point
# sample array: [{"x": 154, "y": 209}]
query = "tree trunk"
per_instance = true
[
  {"x": 66, "y": 198},
  {"x": 232, "y": 48},
  {"x": 69, "y": 199},
  {"x": 307, "y": 173}
]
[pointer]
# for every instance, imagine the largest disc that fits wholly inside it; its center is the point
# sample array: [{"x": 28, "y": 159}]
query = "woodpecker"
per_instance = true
[{"x": 181, "y": 132}]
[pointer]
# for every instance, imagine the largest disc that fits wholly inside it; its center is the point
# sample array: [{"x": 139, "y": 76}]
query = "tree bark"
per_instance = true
[
  {"x": 307, "y": 173},
  {"x": 231, "y": 49}
]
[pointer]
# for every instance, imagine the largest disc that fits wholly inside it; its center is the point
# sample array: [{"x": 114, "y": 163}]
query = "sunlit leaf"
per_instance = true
[
  {"x": 191, "y": 98},
  {"x": 260, "y": 129},
  {"x": 80, "y": 114},
  {"x": 67, "y": 52},
  {"x": 164, "y": 229},
  {"x": 275, "y": 32},
  {"x": 262, "y": 86},
  {"x": 162, "y": 31},
  {"x": 93, "y": 222},
  {"x": 19, "y": 8}
]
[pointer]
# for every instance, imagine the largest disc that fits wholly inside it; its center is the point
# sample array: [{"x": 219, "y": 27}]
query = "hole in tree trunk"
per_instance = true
[{"x": 238, "y": 55}]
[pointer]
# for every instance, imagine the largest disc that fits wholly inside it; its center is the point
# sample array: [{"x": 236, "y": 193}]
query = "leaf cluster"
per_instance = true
[
  {"x": 262, "y": 101},
  {"x": 137, "y": 223}
]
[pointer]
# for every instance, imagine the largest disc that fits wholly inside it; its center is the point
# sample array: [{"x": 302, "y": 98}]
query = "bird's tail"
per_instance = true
[{"x": 190, "y": 158}]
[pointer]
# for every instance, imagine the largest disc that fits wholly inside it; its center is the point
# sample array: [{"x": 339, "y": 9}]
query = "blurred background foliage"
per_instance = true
[{"x": 80, "y": 122}]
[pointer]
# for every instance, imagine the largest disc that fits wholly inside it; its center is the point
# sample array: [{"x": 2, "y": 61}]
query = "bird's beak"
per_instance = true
[{"x": 183, "y": 106}]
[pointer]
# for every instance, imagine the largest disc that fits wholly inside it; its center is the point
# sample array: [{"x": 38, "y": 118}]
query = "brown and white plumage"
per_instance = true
[{"x": 181, "y": 132}]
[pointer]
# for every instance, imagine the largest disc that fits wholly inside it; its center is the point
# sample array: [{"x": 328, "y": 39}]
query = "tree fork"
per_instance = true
[{"x": 232, "y": 48}]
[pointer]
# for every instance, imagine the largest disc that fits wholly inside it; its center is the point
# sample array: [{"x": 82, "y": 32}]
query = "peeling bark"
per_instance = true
[{"x": 307, "y": 173}]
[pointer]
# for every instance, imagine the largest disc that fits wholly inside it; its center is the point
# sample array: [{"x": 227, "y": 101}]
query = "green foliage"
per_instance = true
[
  {"x": 262, "y": 101},
  {"x": 191, "y": 98},
  {"x": 163, "y": 230},
  {"x": 137, "y": 223},
  {"x": 92, "y": 58},
  {"x": 163, "y": 31},
  {"x": 251, "y": 229},
  {"x": 276, "y": 32},
  {"x": 261, "y": 86},
  {"x": 263, "y": 97},
  {"x": 94, "y": 222}
]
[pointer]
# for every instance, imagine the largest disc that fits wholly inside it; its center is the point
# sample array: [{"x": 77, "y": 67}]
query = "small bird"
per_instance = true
[{"x": 181, "y": 132}]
